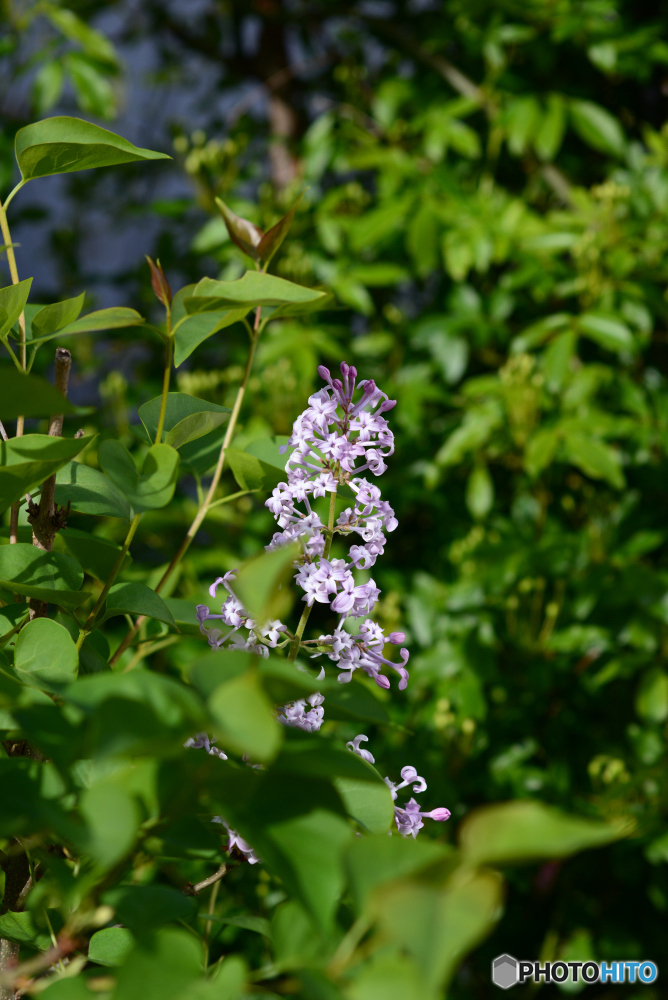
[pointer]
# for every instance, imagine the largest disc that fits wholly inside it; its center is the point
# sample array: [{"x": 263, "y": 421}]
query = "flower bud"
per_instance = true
[
  {"x": 344, "y": 369},
  {"x": 324, "y": 373},
  {"x": 387, "y": 404},
  {"x": 397, "y": 638},
  {"x": 440, "y": 814}
]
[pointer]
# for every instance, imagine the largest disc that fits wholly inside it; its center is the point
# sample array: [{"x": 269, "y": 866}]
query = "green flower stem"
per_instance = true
[
  {"x": 296, "y": 642},
  {"x": 13, "y": 270},
  {"x": 169, "y": 353},
  {"x": 110, "y": 581},
  {"x": 208, "y": 500}
]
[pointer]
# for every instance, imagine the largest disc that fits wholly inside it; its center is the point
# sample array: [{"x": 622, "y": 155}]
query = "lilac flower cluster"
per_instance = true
[
  {"x": 334, "y": 440},
  {"x": 409, "y": 819},
  {"x": 258, "y": 638}
]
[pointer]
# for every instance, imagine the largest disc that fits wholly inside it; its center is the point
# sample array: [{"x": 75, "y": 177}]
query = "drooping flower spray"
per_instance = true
[{"x": 340, "y": 435}]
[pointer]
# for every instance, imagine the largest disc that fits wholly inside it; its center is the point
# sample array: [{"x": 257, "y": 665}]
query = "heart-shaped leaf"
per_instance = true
[
  {"x": 47, "y": 576},
  {"x": 136, "y": 599},
  {"x": 154, "y": 486},
  {"x": 45, "y": 654},
  {"x": 60, "y": 145},
  {"x": 12, "y": 303},
  {"x": 89, "y": 491},
  {"x": 49, "y": 319},
  {"x": 27, "y": 461}
]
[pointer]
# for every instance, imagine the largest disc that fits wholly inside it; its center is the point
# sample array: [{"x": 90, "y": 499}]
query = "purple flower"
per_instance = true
[
  {"x": 296, "y": 716},
  {"x": 354, "y": 746},
  {"x": 202, "y": 742},
  {"x": 235, "y": 840}
]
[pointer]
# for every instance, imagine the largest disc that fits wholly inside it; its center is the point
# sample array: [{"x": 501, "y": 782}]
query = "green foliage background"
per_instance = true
[{"x": 487, "y": 202}]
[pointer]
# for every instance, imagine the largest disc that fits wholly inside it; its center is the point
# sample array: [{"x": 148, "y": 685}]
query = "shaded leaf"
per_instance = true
[
  {"x": 598, "y": 128},
  {"x": 259, "y": 579},
  {"x": 44, "y": 654},
  {"x": 244, "y": 719},
  {"x": 27, "y": 461},
  {"x": 136, "y": 599},
  {"x": 110, "y": 946},
  {"x": 89, "y": 491},
  {"x": 529, "y": 830},
  {"x": 29, "y": 396},
  {"x": 47, "y": 576},
  {"x": 154, "y": 486}
]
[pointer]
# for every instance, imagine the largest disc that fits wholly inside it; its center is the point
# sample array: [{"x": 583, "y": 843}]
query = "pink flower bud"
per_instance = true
[
  {"x": 397, "y": 638},
  {"x": 387, "y": 404},
  {"x": 440, "y": 814},
  {"x": 344, "y": 369},
  {"x": 324, "y": 373}
]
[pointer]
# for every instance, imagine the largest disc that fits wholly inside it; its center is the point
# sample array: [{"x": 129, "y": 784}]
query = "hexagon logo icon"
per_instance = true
[{"x": 505, "y": 971}]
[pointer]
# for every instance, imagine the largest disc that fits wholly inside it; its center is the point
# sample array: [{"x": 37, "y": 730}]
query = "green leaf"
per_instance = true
[
  {"x": 252, "y": 290},
  {"x": 110, "y": 946},
  {"x": 60, "y": 145},
  {"x": 437, "y": 925},
  {"x": 49, "y": 319},
  {"x": 183, "y": 613},
  {"x": 370, "y": 805},
  {"x": 115, "y": 318},
  {"x": 387, "y": 977},
  {"x": 480, "y": 492},
  {"x": 95, "y": 94},
  {"x": 259, "y": 579},
  {"x": 94, "y": 554},
  {"x": 180, "y": 407},
  {"x": 606, "y": 331},
  {"x": 10, "y": 615},
  {"x": 272, "y": 460},
  {"x": 13, "y": 299},
  {"x": 598, "y": 128},
  {"x": 112, "y": 820},
  {"x": 652, "y": 697},
  {"x": 244, "y": 719},
  {"x": 550, "y": 134},
  {"x": 194, "y": 427},
  {"x": 194, "y": 330},
  {"x": 93, "y": 42},
  {"x": 246, "y": 469},
  {"x": 354, "y": 702},
  {"x": 89, "y": 491},
  {"x": 309, "y": 850},
  {"x": 165, "y": 968},
  {"x": 283, "y": 682},
  {"x": 529, "y": 831},
  {"x": 44, "y": 654},
  {"x": 154, "y": 486},
  {"x": 27, "y": 461},
  {"x": 29, "y": 396},
  {"x": 144, "y": 908},
  {"x": 374, "y": 860},
  {"x": 47, "y": 86},
  {"x": 136, "y": 599},
  {"x": 594, "y": 458},
  {"x": 540, "y": 450},
  {"x": 19, "y": 927},
  {"x": 47, "y": 576}
]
